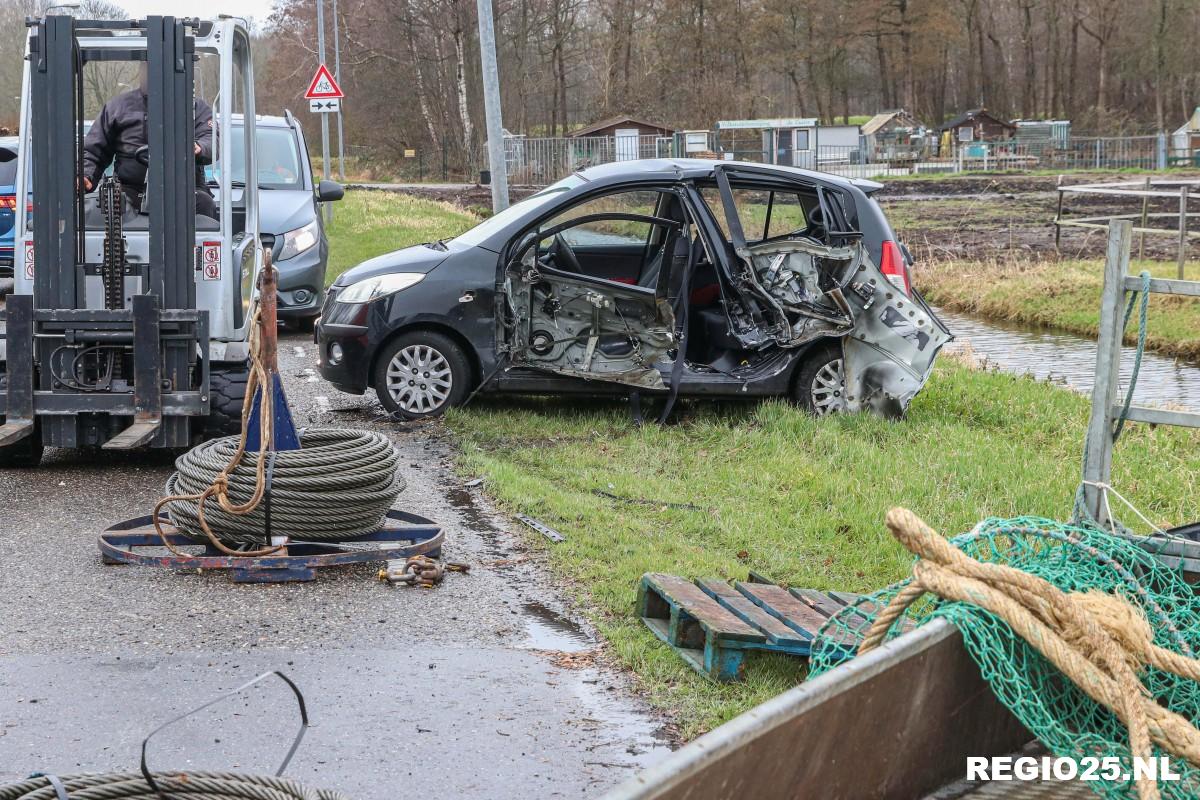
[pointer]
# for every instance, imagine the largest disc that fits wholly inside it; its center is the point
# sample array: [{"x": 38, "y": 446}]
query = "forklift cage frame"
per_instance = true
[{"x": 178, "y": 318}]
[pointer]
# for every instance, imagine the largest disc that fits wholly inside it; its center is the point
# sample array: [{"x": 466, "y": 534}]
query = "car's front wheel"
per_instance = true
[
  {"x": 820, "y": 385},
  {"x": 421, "y": 374}
]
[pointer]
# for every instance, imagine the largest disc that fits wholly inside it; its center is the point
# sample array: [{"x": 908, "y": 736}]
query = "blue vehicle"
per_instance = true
[{"x": 8, "y": 203}]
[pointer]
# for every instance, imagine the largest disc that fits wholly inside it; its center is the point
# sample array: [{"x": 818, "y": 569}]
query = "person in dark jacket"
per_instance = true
[{"x": 120, "y": 130}]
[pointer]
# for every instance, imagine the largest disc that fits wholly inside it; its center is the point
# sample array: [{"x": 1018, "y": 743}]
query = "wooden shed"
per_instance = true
[
  {"x": 977, "y": 125},
  {"x": 630, "y": 137},
  {"x": 892, "y": 135}
]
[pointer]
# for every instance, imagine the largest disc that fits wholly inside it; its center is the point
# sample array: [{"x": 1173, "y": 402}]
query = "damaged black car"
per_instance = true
[{"x": 671, "y": 277}]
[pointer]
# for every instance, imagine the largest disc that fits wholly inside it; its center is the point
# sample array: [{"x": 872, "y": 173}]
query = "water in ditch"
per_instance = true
[{"x": 1071, "y": 360}]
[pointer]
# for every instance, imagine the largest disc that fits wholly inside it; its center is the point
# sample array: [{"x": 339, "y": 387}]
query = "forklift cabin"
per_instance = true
[{"x": 128, "y": 326}]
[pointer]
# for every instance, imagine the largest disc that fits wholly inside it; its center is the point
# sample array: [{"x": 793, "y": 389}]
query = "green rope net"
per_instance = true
[{"x": 1059, "y": 714}]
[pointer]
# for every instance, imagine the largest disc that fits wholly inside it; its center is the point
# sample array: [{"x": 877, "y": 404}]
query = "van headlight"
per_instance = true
[
  {"x": 379, "y": 286},
  {"x": 297, "y": 241}
]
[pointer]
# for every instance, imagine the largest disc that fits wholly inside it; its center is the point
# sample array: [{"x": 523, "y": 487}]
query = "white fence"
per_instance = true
[{"x": 541, "y": 161}]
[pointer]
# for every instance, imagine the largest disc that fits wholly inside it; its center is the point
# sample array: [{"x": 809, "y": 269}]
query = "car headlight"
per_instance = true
[
  {"x": 297, "y": 241},
  {"x": 379, "y": 286}
]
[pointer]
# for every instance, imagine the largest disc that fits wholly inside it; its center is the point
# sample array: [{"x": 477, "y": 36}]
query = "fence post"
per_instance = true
[
  {"x": 1097, "y": 153},
  {"x": 1097, "y": 468},
  {"x": 1145, "y": 210},
  {"x": 1183, "y": 228},
  {"x": 1161, "y": 159},
  {"x": 1058, "y": 215}
]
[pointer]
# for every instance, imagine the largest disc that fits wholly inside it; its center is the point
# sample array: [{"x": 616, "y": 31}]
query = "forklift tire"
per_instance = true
[
  {"x": 25, "y": 452},
  {"x": 226, "y": 394}
]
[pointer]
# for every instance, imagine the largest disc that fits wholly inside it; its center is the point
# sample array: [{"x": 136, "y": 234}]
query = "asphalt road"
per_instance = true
[{"x": 480, "y": 688}]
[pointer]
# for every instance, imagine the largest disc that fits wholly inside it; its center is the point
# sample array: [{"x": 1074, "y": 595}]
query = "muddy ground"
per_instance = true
[
  {"x": 970, "y": 216},
  {"x": 485, "y": 687}
]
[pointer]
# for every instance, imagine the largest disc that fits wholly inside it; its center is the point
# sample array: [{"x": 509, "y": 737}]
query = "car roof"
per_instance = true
[
  {"x": 10, "y": 142},
  {"x": 264, "y": 121},
  {"x": 675, "y": 168}
]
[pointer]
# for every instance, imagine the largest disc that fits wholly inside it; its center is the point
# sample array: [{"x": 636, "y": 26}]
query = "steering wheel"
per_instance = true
[
  {"x": 564, "y": 257},
  {"x": 816, "y": 225}
]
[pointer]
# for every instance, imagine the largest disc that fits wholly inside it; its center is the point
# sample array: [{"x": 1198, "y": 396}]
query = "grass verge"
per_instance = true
[
  {"x": 1060, "y": 294},
  {"x": 367, "y": 223},
  {"x": 800, "y": 499}
]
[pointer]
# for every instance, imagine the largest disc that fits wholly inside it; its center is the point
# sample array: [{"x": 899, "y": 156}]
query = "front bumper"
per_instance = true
[
  {"x": 344, "y": 326},
  {"x": 301, "y": 283}
]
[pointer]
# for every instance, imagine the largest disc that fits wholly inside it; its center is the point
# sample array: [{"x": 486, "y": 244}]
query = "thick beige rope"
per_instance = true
[{"x": 1101, "y": 642}]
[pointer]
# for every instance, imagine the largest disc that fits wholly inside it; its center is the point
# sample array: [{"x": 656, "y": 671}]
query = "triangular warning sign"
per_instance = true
[{"x": 323, "y": 86}]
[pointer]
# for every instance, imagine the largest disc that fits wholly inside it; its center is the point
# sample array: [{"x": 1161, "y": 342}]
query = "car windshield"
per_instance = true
[
  {"x": 278, "y": 159},
  {"x": 481, "y": 232}
]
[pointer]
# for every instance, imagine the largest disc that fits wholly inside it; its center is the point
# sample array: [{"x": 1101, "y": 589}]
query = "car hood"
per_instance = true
[
  {"x": 418, "y": 258},
  {"x": 283, "y": 210}
]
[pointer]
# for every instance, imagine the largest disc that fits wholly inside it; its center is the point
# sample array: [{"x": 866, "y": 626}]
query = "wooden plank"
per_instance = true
[
  {"x": 845, "y": 598},
  {"x": 689, "y": 598},
  {"x": 777, "y": 632},
  {"x": 777, "y": 601},
  {"x": 817, "y": 600}
]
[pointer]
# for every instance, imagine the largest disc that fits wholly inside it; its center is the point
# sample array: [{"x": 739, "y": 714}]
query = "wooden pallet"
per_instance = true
[{"x": 712, "y": 624}]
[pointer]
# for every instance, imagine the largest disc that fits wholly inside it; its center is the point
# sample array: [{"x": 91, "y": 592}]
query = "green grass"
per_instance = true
[
  {"x": 369, "y": 223},
  {"x": 799, "y": 499},
  {"x": 1059, "y": 294}
]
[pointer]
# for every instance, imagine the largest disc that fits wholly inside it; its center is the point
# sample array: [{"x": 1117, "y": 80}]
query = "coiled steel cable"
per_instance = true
[
  {"x": 339, "y": 484},
  {"x": 196, "y": 785}
]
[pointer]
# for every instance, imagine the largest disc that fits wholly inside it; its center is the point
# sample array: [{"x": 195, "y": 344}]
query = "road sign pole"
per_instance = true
[
  {"x": 491, "y": 106},
  {"x": 337, "y": 73},
  {"x": 324, "y": 117}
]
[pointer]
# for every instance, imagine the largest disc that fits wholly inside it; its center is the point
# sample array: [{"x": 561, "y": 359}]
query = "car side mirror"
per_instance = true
[{"x": 329, "y": 191}]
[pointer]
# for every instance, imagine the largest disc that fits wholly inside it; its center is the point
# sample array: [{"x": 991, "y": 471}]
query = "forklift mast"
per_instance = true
[{"x": 105, "y": 343}]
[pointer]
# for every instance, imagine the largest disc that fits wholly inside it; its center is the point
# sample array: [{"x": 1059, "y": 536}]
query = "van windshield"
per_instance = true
[{"x": 278, "y": 158}]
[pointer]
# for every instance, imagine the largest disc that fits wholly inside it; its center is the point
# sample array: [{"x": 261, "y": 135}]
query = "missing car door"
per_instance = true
[
  {"x": 814, "y": 277},
  {"x": 561, "y": 316}
]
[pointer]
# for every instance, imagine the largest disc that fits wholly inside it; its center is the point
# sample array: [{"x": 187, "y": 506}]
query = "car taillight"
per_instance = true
[
  {"x": 8, "y": 201},
  {"x": 893, "y": 267}
]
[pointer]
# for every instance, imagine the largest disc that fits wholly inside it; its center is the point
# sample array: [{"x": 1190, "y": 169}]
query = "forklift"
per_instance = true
[{"x": 128, "y": 326}]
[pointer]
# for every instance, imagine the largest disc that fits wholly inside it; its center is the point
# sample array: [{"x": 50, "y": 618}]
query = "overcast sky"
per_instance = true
[{"x": 256, "y": 10}]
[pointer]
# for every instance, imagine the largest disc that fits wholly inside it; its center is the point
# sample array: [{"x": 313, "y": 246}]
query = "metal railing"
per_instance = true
[{"x": 543, "y": 160}]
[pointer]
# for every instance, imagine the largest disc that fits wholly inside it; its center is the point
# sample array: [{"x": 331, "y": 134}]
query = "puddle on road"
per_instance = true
[
  {"x": 631, "y": 737},
  {"x": 548, "y": 630},
  {"x": 1070, "y": 360}
]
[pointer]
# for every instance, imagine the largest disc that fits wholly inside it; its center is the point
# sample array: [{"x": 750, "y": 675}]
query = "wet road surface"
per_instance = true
[{"x": 480, "y": 688}]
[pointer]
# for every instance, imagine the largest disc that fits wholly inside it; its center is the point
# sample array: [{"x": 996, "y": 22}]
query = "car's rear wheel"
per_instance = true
[
  {"x": 421, "y": 374},
  {"x": 820, "y": 384}
]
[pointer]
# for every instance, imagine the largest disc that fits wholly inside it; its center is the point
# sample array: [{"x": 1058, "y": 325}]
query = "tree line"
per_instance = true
[
  {"x": 412, "y": 76},
  {"x": 411, "y": 67}
]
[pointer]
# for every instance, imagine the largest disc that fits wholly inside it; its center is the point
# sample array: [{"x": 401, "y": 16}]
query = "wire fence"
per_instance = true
[{"x": 542, "y": 161}]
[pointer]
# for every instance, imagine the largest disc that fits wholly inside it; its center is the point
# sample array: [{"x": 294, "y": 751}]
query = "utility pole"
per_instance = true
[
  {"x": 491, "y": 106},
  {"x": 324, "y": 117},
  {"x": 337, "y": 74}
]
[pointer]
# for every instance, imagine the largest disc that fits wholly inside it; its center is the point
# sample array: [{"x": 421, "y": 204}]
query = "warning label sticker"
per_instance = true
[
  {"x": 29, "y": 259},
  {"x": 210, "y": 258}
]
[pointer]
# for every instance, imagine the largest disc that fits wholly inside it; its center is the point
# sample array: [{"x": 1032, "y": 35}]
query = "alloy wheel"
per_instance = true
[
  {"x": 419, "y": 379},
  {"x": 828, "y": 389}
]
